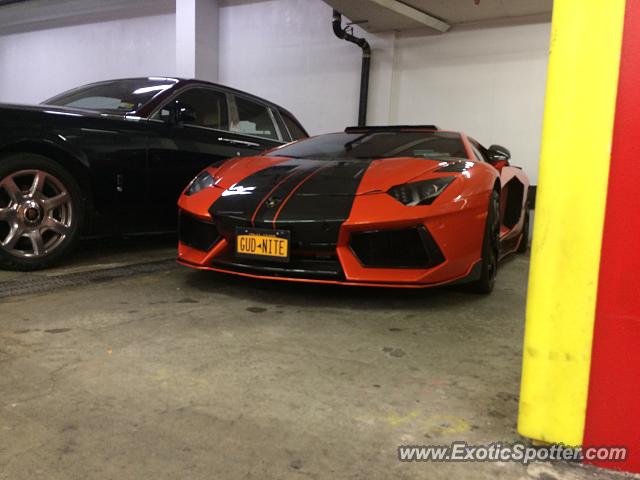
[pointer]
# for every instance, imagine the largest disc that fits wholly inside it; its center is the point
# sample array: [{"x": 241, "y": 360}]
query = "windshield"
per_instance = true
[
  {"x": 119, "y": 96},
  {"x": 433, "y": 145}
]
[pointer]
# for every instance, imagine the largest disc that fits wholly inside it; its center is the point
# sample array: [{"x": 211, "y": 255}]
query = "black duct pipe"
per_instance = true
[{"x": 344, "y": 34}]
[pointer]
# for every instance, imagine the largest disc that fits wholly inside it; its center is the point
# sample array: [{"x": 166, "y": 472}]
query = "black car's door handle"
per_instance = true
[{"x": 244, "y": 143}]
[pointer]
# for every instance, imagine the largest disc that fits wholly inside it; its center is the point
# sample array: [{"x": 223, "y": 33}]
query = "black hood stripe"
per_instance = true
[
  {"x": 293, "y": 190},
  {"x": 310, "y": 198},
  {"x": 266, "y": 211},
  {"x": 270, "y": 194},
  {"x": 326, "y": 197},
  {"x": 262, "y": 182}
]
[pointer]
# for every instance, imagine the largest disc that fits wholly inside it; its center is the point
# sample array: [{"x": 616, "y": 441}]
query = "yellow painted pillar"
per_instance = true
[{"x": 574, "y": 166}]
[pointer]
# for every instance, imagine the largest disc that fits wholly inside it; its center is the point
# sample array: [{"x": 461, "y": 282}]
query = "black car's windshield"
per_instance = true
[
  {"x": 119, "y": 96},
  {"x": 364, "y": 145}
]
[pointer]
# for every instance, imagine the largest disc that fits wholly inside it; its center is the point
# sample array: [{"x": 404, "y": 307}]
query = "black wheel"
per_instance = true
[
  {"x": 490, "y": 248},
  {"x": 41, "y": 211},
  {"x": 524, "y": 242}
]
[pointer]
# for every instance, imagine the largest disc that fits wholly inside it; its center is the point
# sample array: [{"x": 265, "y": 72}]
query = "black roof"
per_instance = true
[
  {"x": 181, "y": 82},
  {"x": 191, "y": 81}
]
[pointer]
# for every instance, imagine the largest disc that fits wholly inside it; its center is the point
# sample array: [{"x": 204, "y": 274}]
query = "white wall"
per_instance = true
[
  {"x": 197, "y": 39},
  {"x": 37, "y": 64},
  {"x": 488, "y": 82},
  {"x": 285, "y": 51}
]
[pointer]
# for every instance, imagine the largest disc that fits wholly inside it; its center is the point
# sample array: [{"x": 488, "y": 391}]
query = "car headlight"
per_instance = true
[
  {"x": 203, "y": 180},
  {"x": 420, "y": 193}
]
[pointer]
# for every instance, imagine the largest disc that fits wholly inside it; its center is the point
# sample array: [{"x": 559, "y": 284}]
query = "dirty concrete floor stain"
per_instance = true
[{"x": 324, "y": 383}]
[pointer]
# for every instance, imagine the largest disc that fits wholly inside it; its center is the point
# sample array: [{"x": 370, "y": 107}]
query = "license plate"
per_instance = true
[{"x": 262, "y": 244}]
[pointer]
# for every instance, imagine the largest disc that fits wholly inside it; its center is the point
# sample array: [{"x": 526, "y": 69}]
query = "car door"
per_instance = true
[
  {"x": 512, "y": 196},
  {"x": 178, "y": 150},
  {"x": 115, "y": 149}
]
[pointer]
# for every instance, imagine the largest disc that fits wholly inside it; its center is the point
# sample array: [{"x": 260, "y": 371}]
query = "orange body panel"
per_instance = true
[{"x": 456, "y": 219}]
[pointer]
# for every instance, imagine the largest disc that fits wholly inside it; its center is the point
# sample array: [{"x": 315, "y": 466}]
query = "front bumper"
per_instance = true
[
  {"x": 451, "y": 236},
  {"x": 251, "y": 273}
]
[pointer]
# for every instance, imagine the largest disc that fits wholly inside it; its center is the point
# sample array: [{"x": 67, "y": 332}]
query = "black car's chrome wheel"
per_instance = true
[
  {"x": 37, "y": 218},
  {"x": 39, "y": 211}
]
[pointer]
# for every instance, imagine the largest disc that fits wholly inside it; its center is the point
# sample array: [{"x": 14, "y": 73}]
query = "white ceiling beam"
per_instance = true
[
  {"x": 197, "y": 39},
  {"x": 414, "y": 14}
]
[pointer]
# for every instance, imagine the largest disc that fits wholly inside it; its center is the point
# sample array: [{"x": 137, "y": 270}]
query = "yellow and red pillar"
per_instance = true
[{"x": 581, "y": 368}]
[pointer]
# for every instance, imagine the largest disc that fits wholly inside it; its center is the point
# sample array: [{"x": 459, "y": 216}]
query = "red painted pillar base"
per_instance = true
[{"x": 613, "y": 406}]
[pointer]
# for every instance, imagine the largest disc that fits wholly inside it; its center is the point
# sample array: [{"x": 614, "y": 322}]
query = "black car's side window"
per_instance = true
[
  {"x": 294, "y": 128},
  {"x": 253, "y": 119},
  {"x": 209, "y": 107}
]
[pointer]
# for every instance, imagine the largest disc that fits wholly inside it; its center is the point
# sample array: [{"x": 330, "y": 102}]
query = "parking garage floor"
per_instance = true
[{"x": 156, "y": 371}]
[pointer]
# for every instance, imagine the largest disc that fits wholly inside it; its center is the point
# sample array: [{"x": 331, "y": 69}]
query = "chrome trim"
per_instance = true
[
  {"x": 234, "y": 141},
  {"x": 275, "y": 123},
  {"x": 291, "y": 139}
]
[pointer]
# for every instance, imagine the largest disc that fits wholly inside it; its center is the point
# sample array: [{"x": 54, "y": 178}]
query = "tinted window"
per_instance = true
[
  {"x": 433, "y": 145},
  {"x": 117, "y": 96},
  {"x": 254, "y": 119},
  {"x": 294, "y": 128},
  {"x": 209, "y": 107},
  {"x": 479, "y": 150},
  {"x": 477, "y": 153}
]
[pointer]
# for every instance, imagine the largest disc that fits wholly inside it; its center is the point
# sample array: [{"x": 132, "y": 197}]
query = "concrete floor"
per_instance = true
[{"x": 184, "y": 374}]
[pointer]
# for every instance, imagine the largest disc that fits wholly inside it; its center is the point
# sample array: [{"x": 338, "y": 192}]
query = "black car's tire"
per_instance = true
[
  {"x": 490, "y": 248},
  {"x": 41, "y": 211},
  {"x": 524, "y": 242}
]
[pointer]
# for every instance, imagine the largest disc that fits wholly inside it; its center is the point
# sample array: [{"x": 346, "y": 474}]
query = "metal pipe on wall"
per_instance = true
[{"x": 344, "y": 34}]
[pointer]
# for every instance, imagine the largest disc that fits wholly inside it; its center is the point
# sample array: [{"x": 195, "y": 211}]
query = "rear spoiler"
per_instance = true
[{"x": 389, "y": 128}]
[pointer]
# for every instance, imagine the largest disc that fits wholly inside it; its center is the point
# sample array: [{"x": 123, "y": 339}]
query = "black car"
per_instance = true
[{"x": 112, "y": 158}]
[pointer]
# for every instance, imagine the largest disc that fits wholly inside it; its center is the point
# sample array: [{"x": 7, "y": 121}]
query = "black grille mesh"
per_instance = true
[
  {"x": 196, "y": 233},
  {"x": 405, "y": 248}
]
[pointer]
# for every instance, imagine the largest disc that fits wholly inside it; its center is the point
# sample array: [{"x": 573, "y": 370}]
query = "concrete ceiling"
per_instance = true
[
  {"x": 438, "y": 15},
  {"x": 20, "y": 16}
]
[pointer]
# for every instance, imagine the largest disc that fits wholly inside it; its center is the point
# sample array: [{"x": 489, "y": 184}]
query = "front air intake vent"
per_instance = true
[
  {"x": 405, "y": 248},
  {"x": 197, "y": 234}
]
